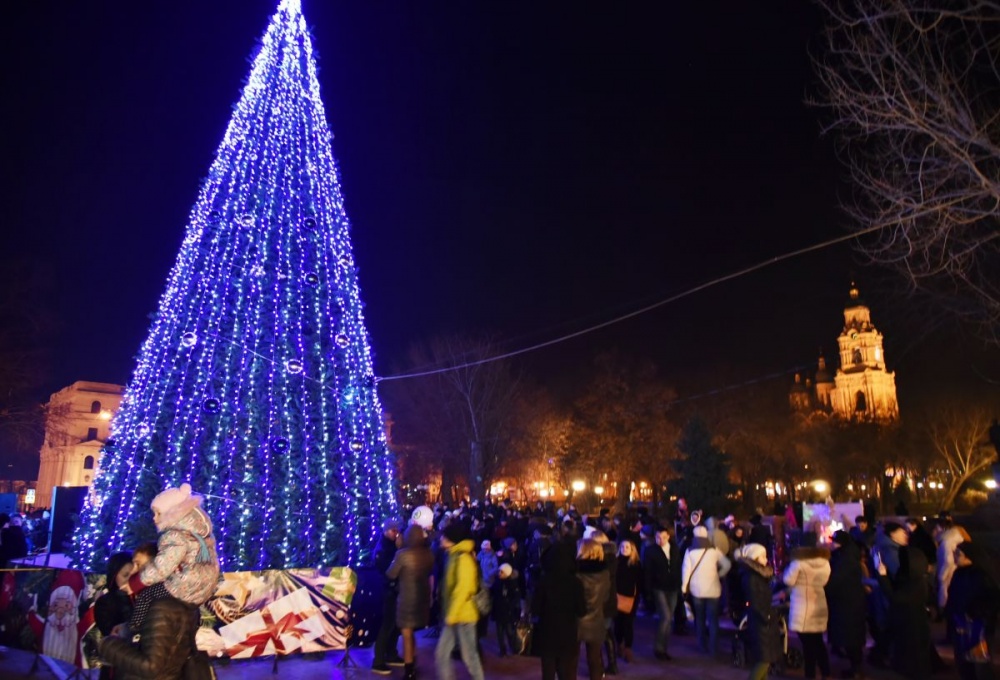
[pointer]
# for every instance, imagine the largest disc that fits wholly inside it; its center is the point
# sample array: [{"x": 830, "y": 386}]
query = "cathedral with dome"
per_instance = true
[{"x": 862, "y": 389}]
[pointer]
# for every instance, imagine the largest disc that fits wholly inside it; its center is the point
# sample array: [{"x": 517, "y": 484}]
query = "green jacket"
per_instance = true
[{"x": 461, "y": 581}]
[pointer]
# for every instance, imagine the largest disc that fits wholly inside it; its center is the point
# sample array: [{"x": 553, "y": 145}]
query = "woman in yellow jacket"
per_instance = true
[{"x": 461, "y": 581}]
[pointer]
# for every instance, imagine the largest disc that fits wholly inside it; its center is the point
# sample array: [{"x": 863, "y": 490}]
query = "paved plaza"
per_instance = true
[{"x": 688, "y": 663}]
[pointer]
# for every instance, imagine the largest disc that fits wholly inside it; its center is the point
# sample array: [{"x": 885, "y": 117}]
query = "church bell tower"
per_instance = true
[{"x": 863, "y": 389}]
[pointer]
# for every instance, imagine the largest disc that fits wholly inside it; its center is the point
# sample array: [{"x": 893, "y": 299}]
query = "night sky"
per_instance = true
[{"x": 520, "y": 168}]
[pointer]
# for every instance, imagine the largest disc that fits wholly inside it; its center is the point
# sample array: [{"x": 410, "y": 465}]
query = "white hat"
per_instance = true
[
  {"x": 506, "y": 570},
  {"x": 423, "y": 517},
  {"x": 754, "y": 552},
  {"x": 588, "y": 531},
  {"x": 486, "y": 544}
]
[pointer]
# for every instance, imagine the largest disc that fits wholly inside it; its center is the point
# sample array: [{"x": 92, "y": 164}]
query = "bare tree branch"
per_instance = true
[
  {"x": 913, "y": 91},
  {"x": 959, "y": 434}
]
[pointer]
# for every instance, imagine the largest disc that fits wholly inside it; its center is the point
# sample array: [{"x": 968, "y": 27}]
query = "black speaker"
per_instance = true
[
  {"x": 366, "y": 606},
  {"x": 67, "y": 501}
]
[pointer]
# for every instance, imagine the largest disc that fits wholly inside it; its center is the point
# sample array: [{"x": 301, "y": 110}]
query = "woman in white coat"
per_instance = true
[{"x": 806, "y": 577}]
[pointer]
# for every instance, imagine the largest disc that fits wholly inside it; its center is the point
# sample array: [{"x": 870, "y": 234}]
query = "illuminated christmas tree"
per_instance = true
[{"x": 255, "y": 383}]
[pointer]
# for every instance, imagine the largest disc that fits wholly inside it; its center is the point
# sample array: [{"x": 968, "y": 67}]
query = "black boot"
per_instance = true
[
  {"x": 409, "y": 671},
  {"x": 609, "y": 649}
]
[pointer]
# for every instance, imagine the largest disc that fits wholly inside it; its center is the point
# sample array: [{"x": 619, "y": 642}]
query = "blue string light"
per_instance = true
[{"x": 255, "y": 383}]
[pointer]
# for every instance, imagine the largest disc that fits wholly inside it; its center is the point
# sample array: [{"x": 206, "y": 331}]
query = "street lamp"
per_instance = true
[
  {"x": 821, "y": 486},
  {"x": 578, "y": 485}
]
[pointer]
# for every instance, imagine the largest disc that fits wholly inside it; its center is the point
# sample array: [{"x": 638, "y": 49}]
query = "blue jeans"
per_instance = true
[
  {"x": 666, "y": 603},
  {"x": 466, "y": 635},
  {"x": 707, "y": 607}
]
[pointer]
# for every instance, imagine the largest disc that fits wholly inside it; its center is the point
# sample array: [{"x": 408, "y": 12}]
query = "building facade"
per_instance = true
[
  {"x": 862, "y": 389},
  {"x": 77, "y": 425}
]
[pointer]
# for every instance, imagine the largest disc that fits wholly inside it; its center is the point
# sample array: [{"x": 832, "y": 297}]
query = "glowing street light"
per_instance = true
[
  {"x": 821, "y": 486},
  {"x": 578, "y": 485},
  {"x": 599, "y": 490},
  {"x": 991, "y": 483}
]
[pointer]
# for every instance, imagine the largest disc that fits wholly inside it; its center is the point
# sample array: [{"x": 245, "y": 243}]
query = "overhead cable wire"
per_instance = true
[{"x": 642, "y": 310}]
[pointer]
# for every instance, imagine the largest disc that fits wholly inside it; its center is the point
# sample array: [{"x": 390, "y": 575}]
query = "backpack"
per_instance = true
[{"x": 481, "y": 599}]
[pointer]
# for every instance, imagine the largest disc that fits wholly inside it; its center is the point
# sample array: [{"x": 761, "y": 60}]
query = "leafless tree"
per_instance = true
[
  {"x": 621, "y": 432},
  {"x": 460, "y": 412},
  {"x": 913, "y": 89},
  {"x": 959, "y": 434}
]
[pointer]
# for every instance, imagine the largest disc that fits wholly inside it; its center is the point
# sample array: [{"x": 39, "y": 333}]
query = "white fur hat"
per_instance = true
[
  {"x": 173, "y": 504},
  {"x": 754, "y": 552},
  {"x": 170, "y": 498}
]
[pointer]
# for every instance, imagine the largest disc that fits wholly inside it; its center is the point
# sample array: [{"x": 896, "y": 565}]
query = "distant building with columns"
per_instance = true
[
  {"x": 77, "y": 425},
  {"x": 862, "y": 389}
]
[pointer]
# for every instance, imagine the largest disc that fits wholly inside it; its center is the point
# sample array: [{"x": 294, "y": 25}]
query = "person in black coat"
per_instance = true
[
  {"x": 762, "y": 624},
  {"x": 114, "y": 607},
  {"x": 386, "y": 641},
  {"x": 411, "y": 570},
  {"x": 592, "y": 570},
  {"x": 663, "y": 583},
  {"x": 907, "y": 594},
  {"x": 973, "y": 602},
  {"x": 845, "y": 595},
  {"x": 558, "y": 603},
  {"x": 611, "y": 603},
  {"x": 921, "y": 539},
  {"x": 166, "y": 650},
  {"x": 759, "y": 532},
  {"x": 628, "y": 584},
  {"x": 13, "y": 543},
  {"x": 506, "y": 610}
]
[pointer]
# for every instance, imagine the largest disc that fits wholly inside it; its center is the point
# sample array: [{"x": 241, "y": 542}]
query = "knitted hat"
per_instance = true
[
  {"x": 509, "y": 541},
  {"x": 700, "y": 532},
  {"x": 456, "y": 531},
  {"x": 754, "y": 552},
  {"x": 506, "y": 570},
  {"x": 486, "y": 545}
]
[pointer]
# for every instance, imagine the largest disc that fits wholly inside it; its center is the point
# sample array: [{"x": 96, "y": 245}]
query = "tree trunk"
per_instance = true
[
  {"x": 949, "y": 499},
  {"x": 476, "y": 490},
  {"x": 621, "y": 496},
  {"x": 447, "y": 484}
]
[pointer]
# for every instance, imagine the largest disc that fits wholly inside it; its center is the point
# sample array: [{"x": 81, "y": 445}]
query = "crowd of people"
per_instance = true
[
  {"x": 556, "y": 583},
  {"x": 564, "y": 584}
]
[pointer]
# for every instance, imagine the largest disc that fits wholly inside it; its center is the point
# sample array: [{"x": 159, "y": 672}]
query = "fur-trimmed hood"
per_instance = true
[
  {"x": 811, "y": 553},
  {"x": 753, "y": 565}
]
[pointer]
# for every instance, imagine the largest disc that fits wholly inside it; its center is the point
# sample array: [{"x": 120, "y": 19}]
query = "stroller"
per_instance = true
[{"x": 788, "y": 658}]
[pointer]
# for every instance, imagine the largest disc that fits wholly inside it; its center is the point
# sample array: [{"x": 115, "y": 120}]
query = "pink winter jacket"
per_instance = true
[{"x": 186, "y": 562}]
